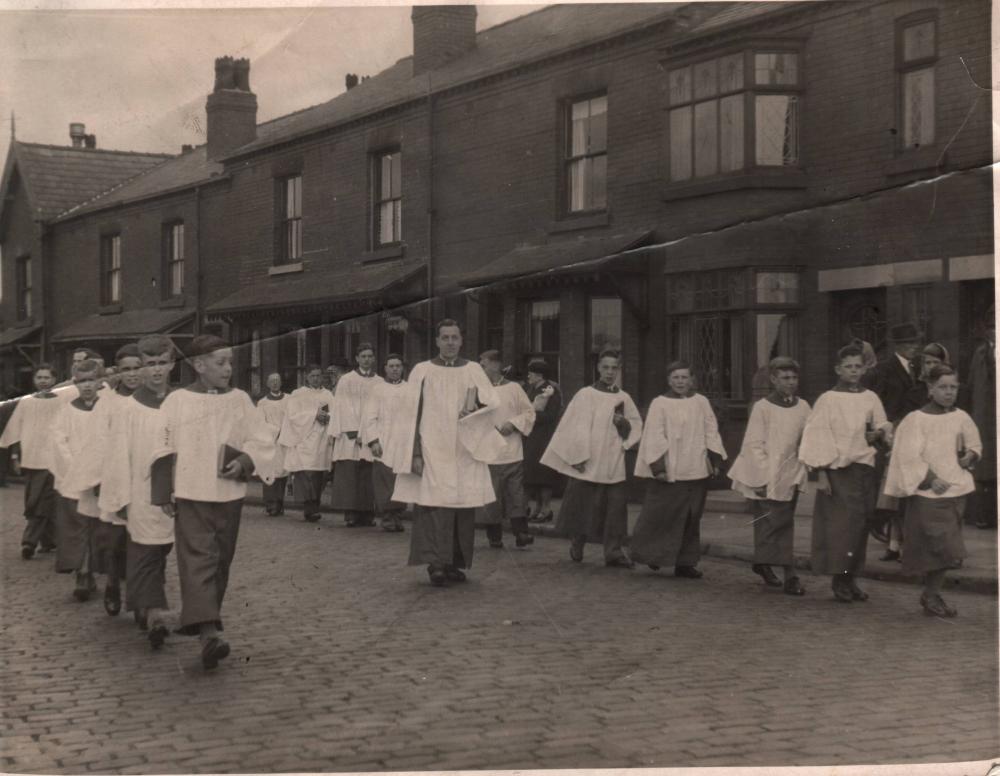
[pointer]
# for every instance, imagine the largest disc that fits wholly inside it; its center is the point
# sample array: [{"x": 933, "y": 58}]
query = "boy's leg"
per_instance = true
[
  {"x": 931, "y": 600},
  {"x": 690, "y": 550},
  {"x": 515, "y": 504},
  {"x": 38, "y": 511},
  {"x": 615, "y": 510}
]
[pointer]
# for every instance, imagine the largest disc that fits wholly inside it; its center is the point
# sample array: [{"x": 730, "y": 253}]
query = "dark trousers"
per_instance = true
[
  {"x": 274, "y": 495},
  {"x": 205, "y": 534},
  {"x": 110, "y": 547},
  {"x": 308, "y": 489},
  {"x": 39, "y": 509},
  {"x": 147, "y": 576}
]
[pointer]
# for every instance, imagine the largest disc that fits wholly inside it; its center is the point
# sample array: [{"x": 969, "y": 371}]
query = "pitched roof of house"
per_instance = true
[
  {"x": 534, "y": 36},
  {"x": 177, "y": 172},
  {"x": 59, "y": 177}
]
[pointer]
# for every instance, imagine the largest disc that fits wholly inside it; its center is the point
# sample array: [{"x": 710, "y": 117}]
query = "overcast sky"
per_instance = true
[{"x": 138, "y": 78}]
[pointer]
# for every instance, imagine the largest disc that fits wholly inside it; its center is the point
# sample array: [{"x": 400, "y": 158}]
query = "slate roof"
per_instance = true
[
  {"x": 537, "y": 35},
  {"x": 59, "y": 177},
  {"x": 126, "y": 325},
  {"x": 345, "y": 284},
  {"x": 561, "y": 256},
  {"x": 178, "y": 172}
]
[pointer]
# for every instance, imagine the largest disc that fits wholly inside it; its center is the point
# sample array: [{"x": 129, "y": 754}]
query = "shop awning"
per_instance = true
[
  {"x": 14, "y": 335},
  {"x": 582, "y": 254},
  {"x": 130, "y": 324},
  {"x": 357, "y": 287}
]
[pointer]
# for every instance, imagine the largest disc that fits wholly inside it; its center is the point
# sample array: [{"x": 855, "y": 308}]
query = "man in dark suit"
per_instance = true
[{"x": 896, "y": 381}]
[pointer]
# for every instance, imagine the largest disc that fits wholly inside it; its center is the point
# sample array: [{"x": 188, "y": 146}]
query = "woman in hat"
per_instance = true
[{"x": 539, "y": 479}]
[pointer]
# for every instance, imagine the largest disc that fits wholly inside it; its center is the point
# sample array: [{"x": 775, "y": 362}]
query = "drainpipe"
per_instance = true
[
  {"x": 430, "y": 218},
  {"x": 199, "y": 278}
]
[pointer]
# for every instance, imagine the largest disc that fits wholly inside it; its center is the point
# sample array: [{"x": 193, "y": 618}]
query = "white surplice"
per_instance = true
[
  {"x": 683, "y": 430},
  {"x": 353, "y": 392},
  {"x": 274, "y": 411},
  {"x": 197, "y": 424},
  {"x": 834, "y": 436},
  {"x": 80, "y": 436},
  {"x": 926, "y": 441},
  {"x": 31, "y": 424},
  {"x": 586, "y": 434},
  {"x": 137, "y": 429},
  {"x": 381, "y": 422},
  {"x": 306, "y": 443},
  {"x": 515, "y": 408},
  {"x": 456, "y": 453},
  {"x": 769, "y": 457}
]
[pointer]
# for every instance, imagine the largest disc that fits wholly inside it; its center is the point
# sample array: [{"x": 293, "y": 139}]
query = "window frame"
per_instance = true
[
  {"x": 377, "y": 199},
  {"x": 904, "y": 67},
  {"x": 526, "y": 338},
  {"x": 23, "y": 287},
  {"x": 284, "y": 223},
  {"x": 170, "y": 259},
  {"x": 749, "y": 90},
  {"x": 109, "y": 270},
  {"x": 568, "y": 159}
]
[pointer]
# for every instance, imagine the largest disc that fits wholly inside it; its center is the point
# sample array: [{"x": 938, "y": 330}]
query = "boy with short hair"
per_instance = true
[
  {"x": 514, "y": 419},
  {"x": 136, "y": 431},
  {"x": 110, "y": 535},
  {"x": 31, "y": 425},
  {"x": 838, "y": 442},
  {"x": 768, "y": 473},
  {"x": 214, "y": 439},
  {"x": 79, "y": 434},
  {"x": 380, "y": 426},
  {"x": 305, "y": 440},
  {"x": 273, "y": 406}
]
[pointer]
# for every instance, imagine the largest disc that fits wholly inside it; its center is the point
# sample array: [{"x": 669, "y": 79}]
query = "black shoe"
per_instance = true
[
  {"x": 312, "y": 518},
  {"x": 890, "y": 555},
  {"x": 576, "y": 554},
  {"x": 47, "y": 548},
  {"x": 453, "y": 574},
  {"x": 112, "y": 600},
  {"x": 794, "y": 587},
  {"x": 688, "y": 572},
  {"x": 27, "y": 551},
  {"x": 215, "y": 649},
  {"x": 542, "y": 517},
  {"x": 437, "y": 575},
  {"x": 766, "y": 573},
  {"x": 985, "y": 525},
  {"x": 496, "y": 544},
  {"x": 934, "y": 606},
  {"x": 81, "y": 592},
  {"x": 652, "y": 567},
  {"x": 158, "y": 634},
  {"x": 524, "y": 539},
  {"x": 842, "y": 591},
  {"x": 140, "y": 620},
  {"x": 857, "y": 593},
  {"x": 621, "y": 562}
]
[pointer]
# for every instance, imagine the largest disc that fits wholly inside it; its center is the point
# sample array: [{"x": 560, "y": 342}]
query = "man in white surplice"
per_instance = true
[{"x": 441, "y": 454}]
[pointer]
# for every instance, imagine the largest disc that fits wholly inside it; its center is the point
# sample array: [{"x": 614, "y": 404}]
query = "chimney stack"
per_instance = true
[
  {"x": 90, "y": 141},
  {"x": 231, "y": 108},
  {"x": 77, "y": 133},
  {"x": 441, "y": 33}
]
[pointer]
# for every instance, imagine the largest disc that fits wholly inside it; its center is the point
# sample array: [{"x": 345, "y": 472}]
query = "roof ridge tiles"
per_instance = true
[{"x": 54, "y": 147}]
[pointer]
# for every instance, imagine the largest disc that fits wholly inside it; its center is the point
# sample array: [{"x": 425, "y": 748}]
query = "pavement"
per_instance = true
[{"x": 345, "y": 659}]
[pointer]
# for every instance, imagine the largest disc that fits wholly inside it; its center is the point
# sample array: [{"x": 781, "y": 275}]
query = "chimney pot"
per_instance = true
[
  {"x": 77, "y": 133},
  {"x": 441, "y": 33},
  {"x": 350, "y": 81},
  {"x": 186, "y": 148},
  {"x": 90, "y": 141}
]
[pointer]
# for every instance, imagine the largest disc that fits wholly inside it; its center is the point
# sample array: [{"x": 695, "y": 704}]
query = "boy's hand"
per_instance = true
[
  {"x": 322, "y": 416},
  {"x": 761, "y": 492},
  {"x": 580, "y": 466},
  {"x": 376, "y": 449},
  {"x": 418, "y": 465},
  {"x": 939, "y": 486},
  {"x": 170, "y": 510},
  {"x": 661, "y": 476},
  {"x": 233, "y": 471},
  {"x": 968, "y": 461},
  {"x": 506, "y": 429},
  {"x": 823, "y": 483}
]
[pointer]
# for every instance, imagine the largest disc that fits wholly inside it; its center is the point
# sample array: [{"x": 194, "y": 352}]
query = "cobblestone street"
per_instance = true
[{"x": 346, "y": 659}]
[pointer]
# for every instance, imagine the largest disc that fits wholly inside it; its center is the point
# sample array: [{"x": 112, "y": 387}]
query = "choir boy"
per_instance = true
[
  {"x": 110, "y": 534},
  {"x": 380, "y": 426},
  {"x": 273, "y": 405},
  {"x": 935, "y": 450},
  {"x": 31, "y": 425},
  {"x": 514, "y": 419},
  {"x": 838, "y": 442},
  {"x": 79, "y": 434},
  {"x": 137, "y": 428},
  {"x": 601, "y": 422},
  {"x": 768, "y": 473},
  {"x": 680, "y": 451},
  {"x": 214, "y": 439},
  {"x": 305, "y": 440},
  {"x": 352, "y": 459},
  {"x": 441, "y": 455}
]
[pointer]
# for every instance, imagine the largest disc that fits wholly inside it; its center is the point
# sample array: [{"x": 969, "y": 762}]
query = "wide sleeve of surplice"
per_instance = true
[
  {"x": 12, "y": 433},
  {"x": 62, "y": 454},
  {"x": 713, "y": 441},
  {"x": 397, "y": 452},
  {"x": 369, "y": 430},
  {"x": 908, "y": 465},
  {"x": 116, "y": 474},
  {"x": 476, "y": 431},
  {"x": 655, "y": 441},
  {"x": 818, "y": 448},
  {"x": 258, "y": 440},
  {"x": 971, "y": 438},
  {"x": 751, "y": 466},
  {"x": 879, "y": 420},
  {"x": 571, "y": 441},
  {"x": 523, "y": 418},
  {"x": 300, "y": 415},
  {"x": 348, "y": 403}
]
